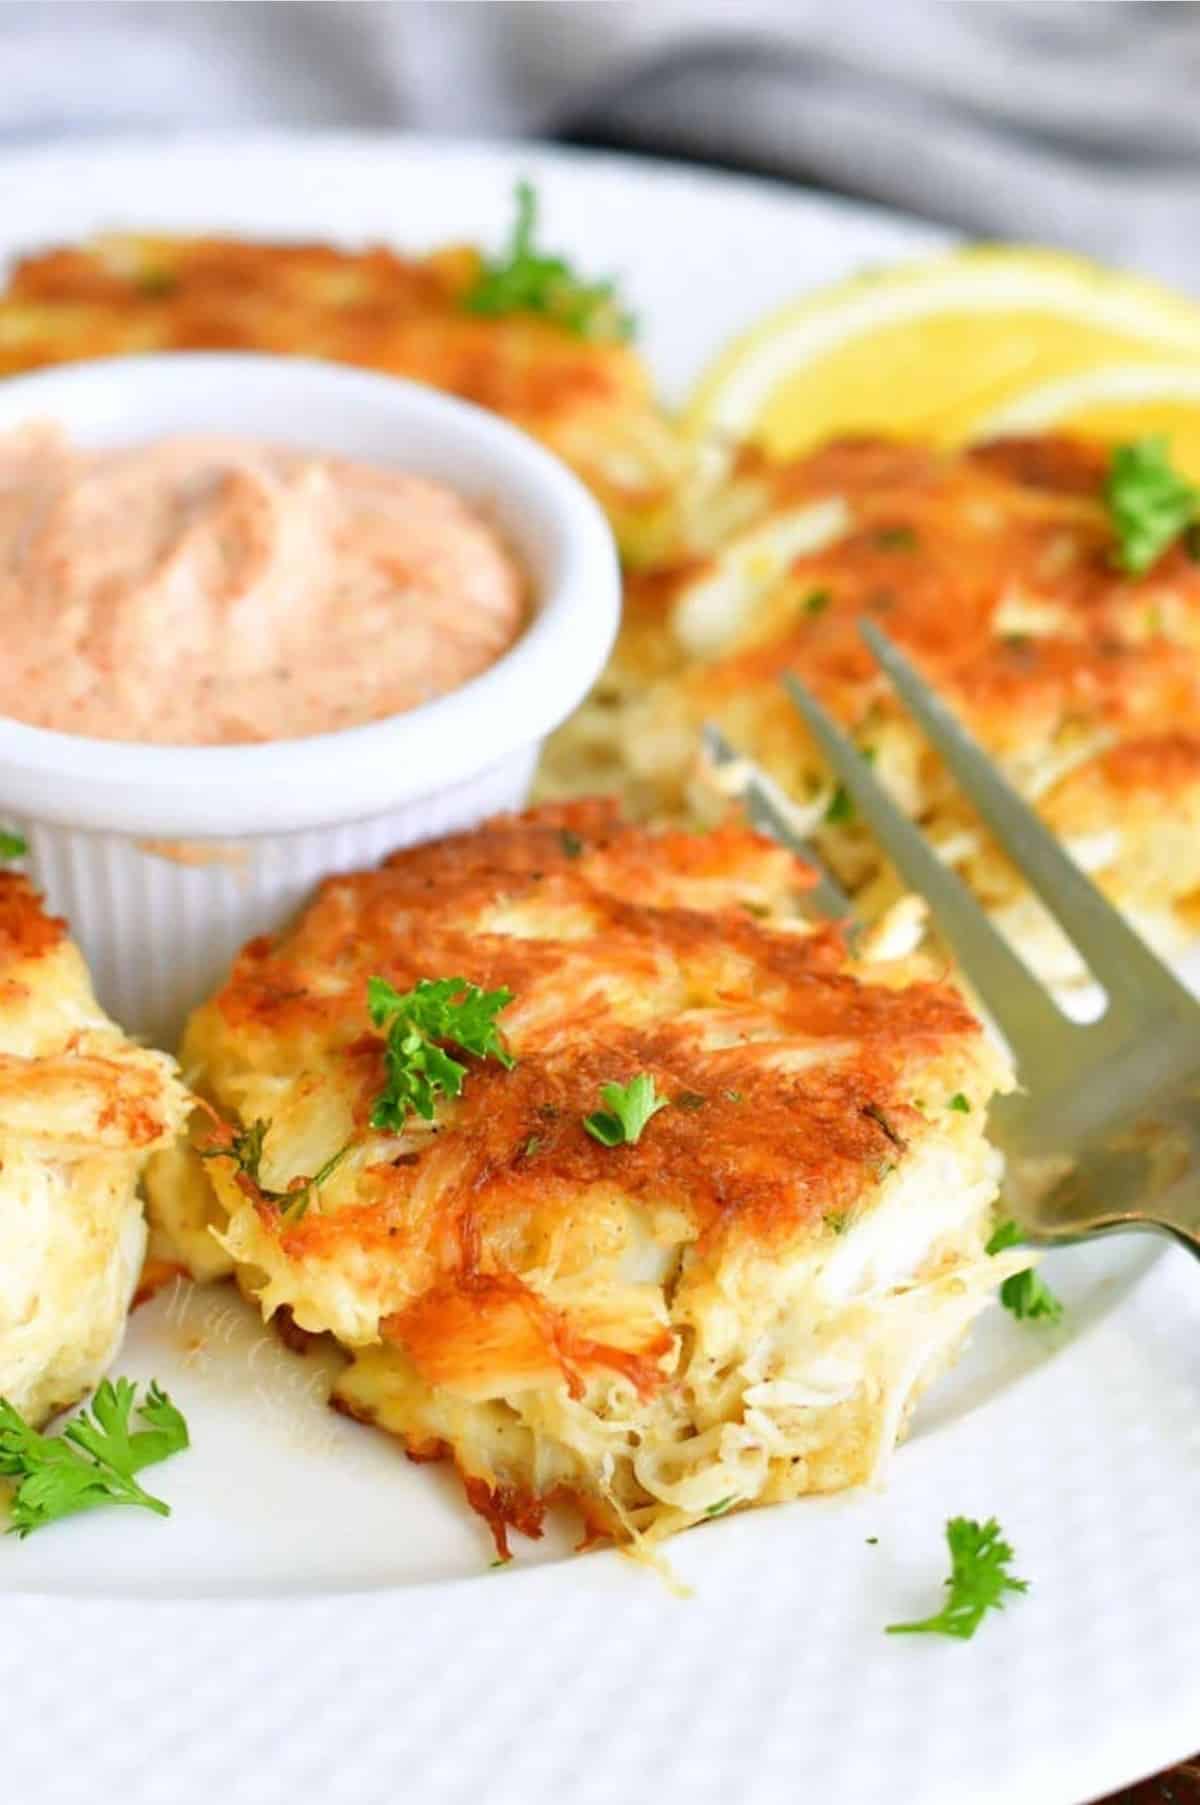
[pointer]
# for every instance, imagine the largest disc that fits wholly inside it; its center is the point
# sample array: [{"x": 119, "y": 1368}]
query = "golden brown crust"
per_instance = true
[
  {"x": 1161, "y": 763},
  {"x": 938, "y": 546},
  {"x": 996, "y": 570},
  {"x": 1059, "y": 462},
  {"x": 26, "y": 931},
  {"x": 658, "y": 954},
  {"x": 372, "y": 308}
]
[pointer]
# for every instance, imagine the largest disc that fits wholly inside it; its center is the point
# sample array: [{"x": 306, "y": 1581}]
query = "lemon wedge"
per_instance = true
[{"x": 937, "y": 349}]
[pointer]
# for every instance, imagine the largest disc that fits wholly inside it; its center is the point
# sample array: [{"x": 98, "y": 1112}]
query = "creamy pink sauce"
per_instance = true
[{"x": 205, "y": 591}]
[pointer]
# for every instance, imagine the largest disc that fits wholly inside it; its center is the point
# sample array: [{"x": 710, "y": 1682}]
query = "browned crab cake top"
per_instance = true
[{"x": 794, "y": 1082}]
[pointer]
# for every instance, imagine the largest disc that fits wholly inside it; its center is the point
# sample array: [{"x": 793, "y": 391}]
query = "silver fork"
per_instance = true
[{"x": 1104, "y": 1133}]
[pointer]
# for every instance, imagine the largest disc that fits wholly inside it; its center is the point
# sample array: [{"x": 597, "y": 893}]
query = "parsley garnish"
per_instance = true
[
  {"x": 896, "y": 538},
  {"x": 1026, "y": 1294},
  {"x": 12, "y": 846},
  {"x": 630, "y": 1107},
  {"x": 420, "y": 1023},
  {"x": 841, "y": 804},
  {"x": 571, "y": 843},
  {"x": 960, "y": 1103},
  {"x": 94, "y": 1459},
  {"x": 1149, "y": 503},
  {"x": 245, "y": 1148},
  {"x": 816, "y": 601},
  {"x": 841, "y": 807},
  {"x": 721, "y": 1506},
  {"x": 526, "y": 280},
  {"x": 978, "y": 1580}
]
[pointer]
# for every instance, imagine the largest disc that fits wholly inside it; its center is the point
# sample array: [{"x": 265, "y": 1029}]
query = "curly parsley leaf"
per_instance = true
[
  {"x": 420, "y": 1023},
  {"x": 12, "y": 846},
  {"x": 1149, "y": 503},
  {"x": 94, "y": 1460},
  {"x": 1026, "y": 1294},
  {"x": 630, "y": 1107},
  {"x": 527, "y": 280},
  {"x": 979, "y": 1579}
]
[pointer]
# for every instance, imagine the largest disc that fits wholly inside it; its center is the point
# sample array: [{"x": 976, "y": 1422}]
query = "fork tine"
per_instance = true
[
  {"x": 767, "y": 811},
  {"x": 1117, "y": 957},
  {"x": 1023, "y": 1012}
]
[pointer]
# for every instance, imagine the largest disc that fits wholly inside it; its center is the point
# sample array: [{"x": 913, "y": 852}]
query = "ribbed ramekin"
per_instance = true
[{"x": 166, "y": 858}]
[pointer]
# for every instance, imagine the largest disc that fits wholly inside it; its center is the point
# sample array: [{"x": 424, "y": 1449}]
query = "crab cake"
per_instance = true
[
  {"x": 736, "y": 1303},
  {"x": 81, "y": 1108},
  {"x": 588, "y": 397},
  {"x": 995, "y": 570}
]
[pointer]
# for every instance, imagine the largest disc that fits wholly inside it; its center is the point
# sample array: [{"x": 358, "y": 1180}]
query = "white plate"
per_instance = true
[{"x": 294, "y": 1630}]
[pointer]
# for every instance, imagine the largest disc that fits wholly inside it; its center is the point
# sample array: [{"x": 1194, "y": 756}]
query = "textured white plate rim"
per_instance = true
[{"x": 588, "y": 1682}]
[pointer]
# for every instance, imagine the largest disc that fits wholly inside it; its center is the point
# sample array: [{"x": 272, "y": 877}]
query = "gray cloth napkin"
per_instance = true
[{"x": 1073, "y": 123}]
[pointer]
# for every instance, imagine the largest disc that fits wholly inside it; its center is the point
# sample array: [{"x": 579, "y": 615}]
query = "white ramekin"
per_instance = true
[{"x": 249, "y": 829}]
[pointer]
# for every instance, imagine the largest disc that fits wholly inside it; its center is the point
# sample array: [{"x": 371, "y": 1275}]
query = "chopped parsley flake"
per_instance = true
[
  {"x": 721, "y": 1506},
  {"x": 12, "y": 846},
  {"x": 1026, "y": 1294},
  {"x": 244, "y": 1146},
  {"x": 979, "y": 1579},
  {"x": 841, "y": 807},
  {"x": 571, "y": 843},
  {"x": 630, "y": 1107},
  {"x": 960, "y": 1103},
  {"x": 525, "y": 279},
  {"x": 816, "y": 601},
  {"x": 1149, "y": 503},
  {"x": 896, "y": 538}
]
